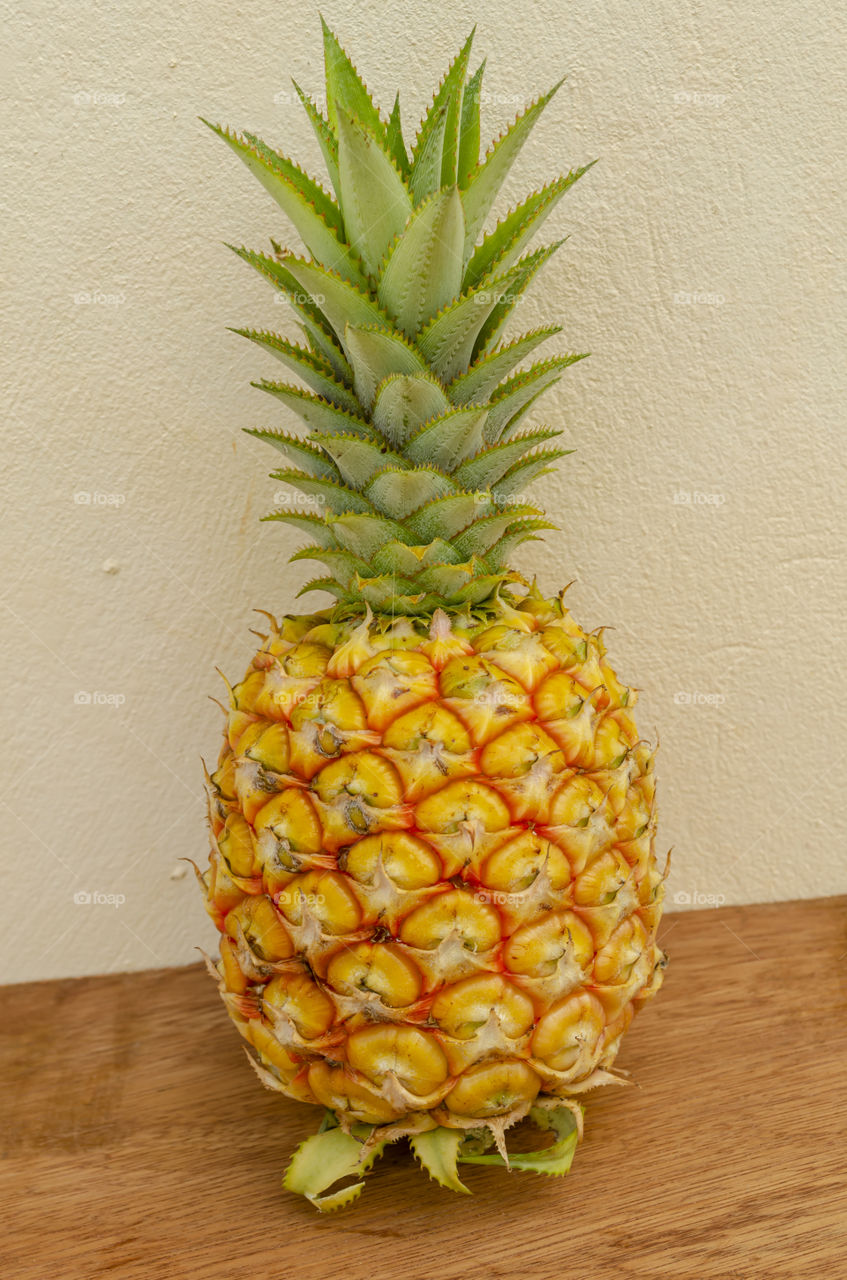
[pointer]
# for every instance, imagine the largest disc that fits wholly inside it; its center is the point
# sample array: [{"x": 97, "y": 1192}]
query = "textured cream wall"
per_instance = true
[{"x": 702, "y": 515}]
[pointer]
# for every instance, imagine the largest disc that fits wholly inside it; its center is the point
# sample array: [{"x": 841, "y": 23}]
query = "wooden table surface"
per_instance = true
[{"x": 136, "y": 1142}]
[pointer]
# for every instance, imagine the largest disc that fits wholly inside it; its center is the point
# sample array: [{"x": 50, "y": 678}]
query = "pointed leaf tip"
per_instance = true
[{"x": 438, "y": 1150}]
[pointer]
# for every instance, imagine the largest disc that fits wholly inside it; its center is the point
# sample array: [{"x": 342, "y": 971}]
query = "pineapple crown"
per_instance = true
[{"x": 414, "y": 457}]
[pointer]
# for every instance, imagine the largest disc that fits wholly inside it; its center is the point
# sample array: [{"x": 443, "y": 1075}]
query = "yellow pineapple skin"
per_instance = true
[{"x": 432, "y": 862}]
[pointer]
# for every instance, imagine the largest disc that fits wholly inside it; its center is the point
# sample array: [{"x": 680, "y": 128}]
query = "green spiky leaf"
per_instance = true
[
  {"x": 343, "y": 565},
  {"x": 315, "y": 371},
  {"x": 478, "y": 384},
  {"x": 446, "y": 517},
  {"x": 302, "y": 452},
  {"x": 318, "y": 414},
  {"x": 305, "y": 204},
  {"x": 374, "y": 199},
  {"x": 315, "y": 526},
  {"x": 404, "y": 402},
  {"x": 326, "y": 348},
  {"x": 346, "y": 597},
  {"x": 277, "y": 173},
  {"x": 522, "y": 275},
  {"x": 340, "y": 302},
  {"x": 399, "y": 558},
  {"x": 439, "y": 132},
  {"x": 447, "y": 580},
  {"x": 524, "y": 472},
  {"x": 509, "y": 238},
  {"x": 375, "y": 354},
  {"x": 483, "y": 534},
  {"x": 346, "y": 89},
  {"x": 394, "y": 139},
  {"x": 398, "y": 493},
  {"x": 331, "y": 495},
  {"x": 364, "y": 535},
  {"x": 329, "y": 1157},
  {"x": 522, "y": 531},
  {"x": 487, "y": 467},
  {"x": 358, "y": 460},
  {"x": 469, "y": 129},
  {"x": 555, "y": 1160},
  {"x": 277, "y": 273},
  {"x": 448, "y": 440},
  {"x": 448, "y": 341},
  {"x": 384, "y": 595},
  {"x": 326, "y": 138},
  {"x": 487, "y": 179},
  {"x": 424, "y": 268},
  {"x": 425, "y": 173},
  {"x": 513, "y": 398}
]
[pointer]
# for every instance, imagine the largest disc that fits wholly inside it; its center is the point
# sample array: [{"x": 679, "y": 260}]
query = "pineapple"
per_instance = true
[{"x": 432, "y": 819}]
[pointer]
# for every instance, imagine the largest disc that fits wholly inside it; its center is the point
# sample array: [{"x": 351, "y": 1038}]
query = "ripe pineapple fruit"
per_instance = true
[{"x": 432, "y": 819}]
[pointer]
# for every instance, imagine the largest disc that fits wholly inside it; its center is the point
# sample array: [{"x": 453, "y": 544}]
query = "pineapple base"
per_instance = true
[{"x": 342, "y": 1149}]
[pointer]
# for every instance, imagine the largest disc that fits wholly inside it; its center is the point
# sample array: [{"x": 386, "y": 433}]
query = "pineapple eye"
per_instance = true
[
  {"x": 328, "y": 741},
  {"x": 414, "y": 1057},
  {"x": 380, "y": 968},
  {"x": 408, "y": 861},
  {"x": 473, "y": 922},
  {"x": 357, "y": 818},
  {"x": 491, "y": 1089},
  {"x": 305, "y": 661}
]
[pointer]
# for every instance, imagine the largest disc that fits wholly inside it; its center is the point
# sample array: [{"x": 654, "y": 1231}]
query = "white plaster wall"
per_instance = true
[{"x": 716, "y": 124}]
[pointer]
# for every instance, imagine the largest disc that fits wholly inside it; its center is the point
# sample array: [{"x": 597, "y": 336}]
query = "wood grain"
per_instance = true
[{"x": 137, "y": 1143}]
